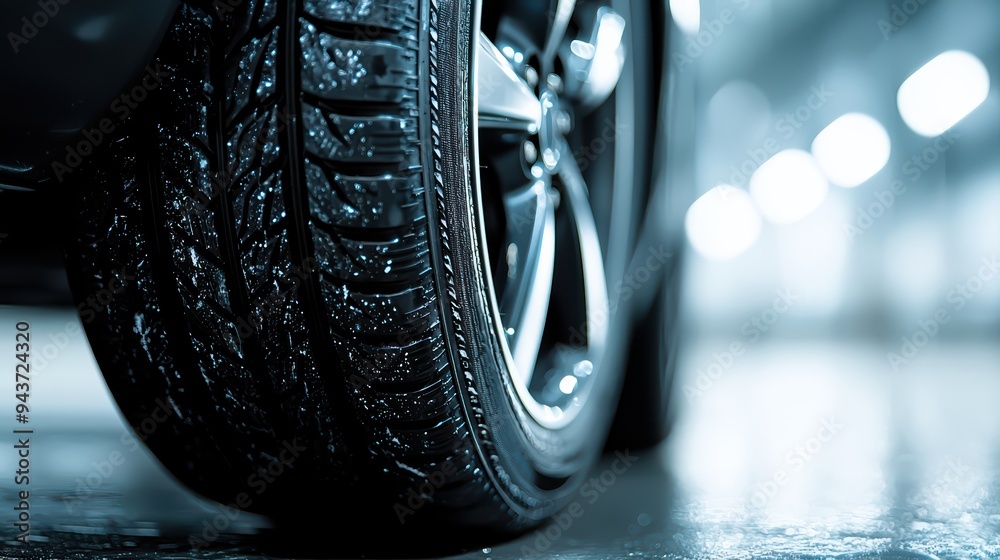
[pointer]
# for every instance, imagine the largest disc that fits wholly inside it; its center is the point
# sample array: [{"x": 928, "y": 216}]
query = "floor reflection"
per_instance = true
[
  {"x": 798, "y": 449},
  {"x": 812, "y": 450}
]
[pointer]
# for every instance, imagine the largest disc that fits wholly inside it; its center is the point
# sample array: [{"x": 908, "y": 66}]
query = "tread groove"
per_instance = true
[
  {"x": 235, "y": 279},
  {"x": 308, "y": 130}
]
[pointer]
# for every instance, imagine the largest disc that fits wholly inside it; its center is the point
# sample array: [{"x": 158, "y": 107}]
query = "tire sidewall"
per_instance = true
[{"x": 536, "y": 469}]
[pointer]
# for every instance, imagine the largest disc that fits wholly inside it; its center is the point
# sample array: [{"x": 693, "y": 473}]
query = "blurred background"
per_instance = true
[
  {"x": 838, "y": 372},
  {"x": 843, "y": 252},
  {"x": 846, "y": 151}
]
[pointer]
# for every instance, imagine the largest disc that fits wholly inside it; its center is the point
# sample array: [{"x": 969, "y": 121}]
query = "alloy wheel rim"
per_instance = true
[{"x": 534, "y": 207}]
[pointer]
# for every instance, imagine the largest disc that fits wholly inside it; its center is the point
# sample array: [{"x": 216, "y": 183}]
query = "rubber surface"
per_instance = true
[
  {"x": 260, "y": 227},
  {"x": 279, "y": 268}
]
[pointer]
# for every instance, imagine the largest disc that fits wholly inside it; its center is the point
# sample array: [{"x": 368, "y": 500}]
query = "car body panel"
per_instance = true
[{"x": 65, "y": 62}]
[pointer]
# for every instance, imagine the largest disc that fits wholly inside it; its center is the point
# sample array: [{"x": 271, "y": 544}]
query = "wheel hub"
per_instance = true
[{"x": 545, "y": 206}]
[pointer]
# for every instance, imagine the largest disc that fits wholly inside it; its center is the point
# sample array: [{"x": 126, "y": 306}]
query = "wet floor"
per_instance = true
[{"x": 795, "y": 449}]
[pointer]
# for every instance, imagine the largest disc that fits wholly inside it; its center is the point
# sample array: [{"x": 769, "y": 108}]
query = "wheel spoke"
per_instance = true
[
  {"x": 530, "y": 256},
  {"x": 595, "y": 285},
  {"x": 504, "y": 100},
  {"x": 532, "y": 85},
  {"x": 595, "y": 62},
  {"x": 557, "y": 32}
]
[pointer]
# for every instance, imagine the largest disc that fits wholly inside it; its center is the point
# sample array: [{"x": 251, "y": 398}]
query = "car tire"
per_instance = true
[{"x": 280, "y": 267}]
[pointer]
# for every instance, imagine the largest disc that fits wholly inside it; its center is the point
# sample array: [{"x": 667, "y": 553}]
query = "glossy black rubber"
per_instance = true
[
  {"x": 66, "y": 64},
  {"x": 292, "y": 304},
  {"x": 645, "y": 412}
]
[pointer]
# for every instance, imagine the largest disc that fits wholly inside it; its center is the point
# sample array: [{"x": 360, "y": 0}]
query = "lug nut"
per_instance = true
[
  {"x": 550, "y": 157},
  {"x": 555, "y": 198},
  {"x": 531, "y": 76},
  {"x": 530, "y": 152},
  {"x": 554, "y": 82},
  {"x": 564, "y": 122}
]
